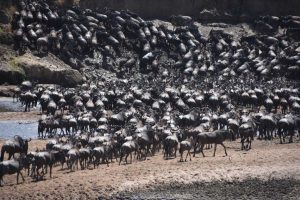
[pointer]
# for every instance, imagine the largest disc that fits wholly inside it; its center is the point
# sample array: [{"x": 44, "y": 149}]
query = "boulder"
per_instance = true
[
  {"x": 10, "y": 73},
  {"x": 6, "y": 36},
  {"x": 4, "y": 17}
]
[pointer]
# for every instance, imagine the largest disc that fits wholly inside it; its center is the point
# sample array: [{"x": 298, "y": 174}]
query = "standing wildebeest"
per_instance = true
[
  {"x": 84, "y": 157},
  {"x": 126, "y": 149},
  {"x": 170, "y": 144},
  {"x": 247, "y": 132},
  {"x": 287, "y": 126},
  {"x": 73, "y": 156},
  {"x": 186, "y": 145},
  {"x": 11, "y": 167},
  {"x": 17, "y": 145},
  {"x": 215, "y": 137},
  {"x": 100, "y": 152},
  {"x": 43, "y": 160}
]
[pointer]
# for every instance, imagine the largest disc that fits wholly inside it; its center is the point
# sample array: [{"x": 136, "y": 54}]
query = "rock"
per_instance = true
[
  {"x": 4, "y": 17},
  {"x": 11, "y": 73},
  {"x": 48, "y": 70},
  {"x": 6, "y": 36}
]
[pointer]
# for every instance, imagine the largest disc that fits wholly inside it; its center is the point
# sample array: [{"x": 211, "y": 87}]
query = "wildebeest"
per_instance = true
[
  {"x": 84, "y": 157},
  {"x": 247, "y": 132},
  {"x": 127, "y": 149},
  {"x": 42, "y": 160},
  {"x": 72, "y": 158},
  {"x": 186, "y": 145},
  {"x": 11, "y": 167},
  {"x": 215, "y": 137},
  {"x": 15, "y": 145},
  {"x": 170, "y": 144},
  {"x": 99, "y": 153}
]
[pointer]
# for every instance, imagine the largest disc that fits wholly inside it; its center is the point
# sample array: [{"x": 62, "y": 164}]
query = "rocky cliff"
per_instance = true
[{"x": 166, "y": 8}]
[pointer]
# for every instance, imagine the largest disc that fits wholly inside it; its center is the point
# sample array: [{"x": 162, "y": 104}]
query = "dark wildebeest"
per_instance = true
[
  {"x": 72, "y": 156},
  {"x": 287, "y": 126},
  {"x": 16, "y": 145},
  {"x": 84, "y": 157},
  {"x": 11, "y": 167},
  {"x": 126, "y": 149},
  {"x": 215, "y": 137},
  {"x": 170, "y": 144},
  {"x": 100, "y": 152},
  {"x": 247, "y": 132},
  {"x": 43, "y": 160}
]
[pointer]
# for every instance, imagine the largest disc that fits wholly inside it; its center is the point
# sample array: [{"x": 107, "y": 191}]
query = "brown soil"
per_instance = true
[
  {"x": 266, "y": 161},
  {"x": 28, "y": 116}
]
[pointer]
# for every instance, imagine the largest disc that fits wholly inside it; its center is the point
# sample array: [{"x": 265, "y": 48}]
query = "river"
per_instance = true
[{"x": 9, "y": 128}]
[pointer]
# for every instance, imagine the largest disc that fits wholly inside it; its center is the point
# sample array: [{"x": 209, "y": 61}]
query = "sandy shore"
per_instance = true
[
  {"x": 265, "y": 162},
  {"x": 15, "y": 116}
]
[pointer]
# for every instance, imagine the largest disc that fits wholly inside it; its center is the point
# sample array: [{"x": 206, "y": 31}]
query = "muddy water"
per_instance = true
[{"x": 248, "y": 189}]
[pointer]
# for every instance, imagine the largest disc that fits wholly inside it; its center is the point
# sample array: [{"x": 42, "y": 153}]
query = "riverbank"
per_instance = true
[{"x": 251, "y": 170}]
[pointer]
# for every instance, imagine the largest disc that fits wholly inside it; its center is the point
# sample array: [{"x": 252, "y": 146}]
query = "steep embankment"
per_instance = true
[
  {"x": 16, "y": 68},
  {"x": 166, "y": 8}
]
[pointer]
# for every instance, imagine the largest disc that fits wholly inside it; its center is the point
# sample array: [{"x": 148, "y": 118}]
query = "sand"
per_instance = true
[{"x": 267, "y": 161}]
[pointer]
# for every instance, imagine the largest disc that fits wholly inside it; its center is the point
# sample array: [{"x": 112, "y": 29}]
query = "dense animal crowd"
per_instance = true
[{"x": 175, "y": 89}]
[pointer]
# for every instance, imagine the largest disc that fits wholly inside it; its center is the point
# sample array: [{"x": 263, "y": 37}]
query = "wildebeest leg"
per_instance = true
[
  {"x": 202, "y": 146},
  {"x": 130, "y": 157},
  {"x": 242, "y": 142},
  {"x": 187, "y": 155},
  {"x": 280, "y": 134},
  {"x": 250, "y": 141},
  {"x": 37, "y": 173},
  {"x": 215, "y": 150},
  {"x": 18, "y": 177},
  {"x": 106, "y": 158},
  {"x": 224, "y": 148},
  {"x": 22, "y": 176},
  {"x": 195, "y": 148},
  {"x": 181, "y": 155},
  {"x": 175, "y": 150},
  {"x": 291, "y": 138},
  {"x": 126, "y": 158},
  {"x": 1, "y": 181},
  {"x": 120, "y": 159},
  {"x": 50, "y": 166}
]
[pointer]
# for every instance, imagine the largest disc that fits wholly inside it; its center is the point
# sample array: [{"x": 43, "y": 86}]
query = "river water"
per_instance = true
[{"x": 26, "y": 129}]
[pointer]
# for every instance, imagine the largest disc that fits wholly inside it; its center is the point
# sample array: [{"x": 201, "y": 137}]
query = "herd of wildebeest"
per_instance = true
[{"x": 172, "y": 88}]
